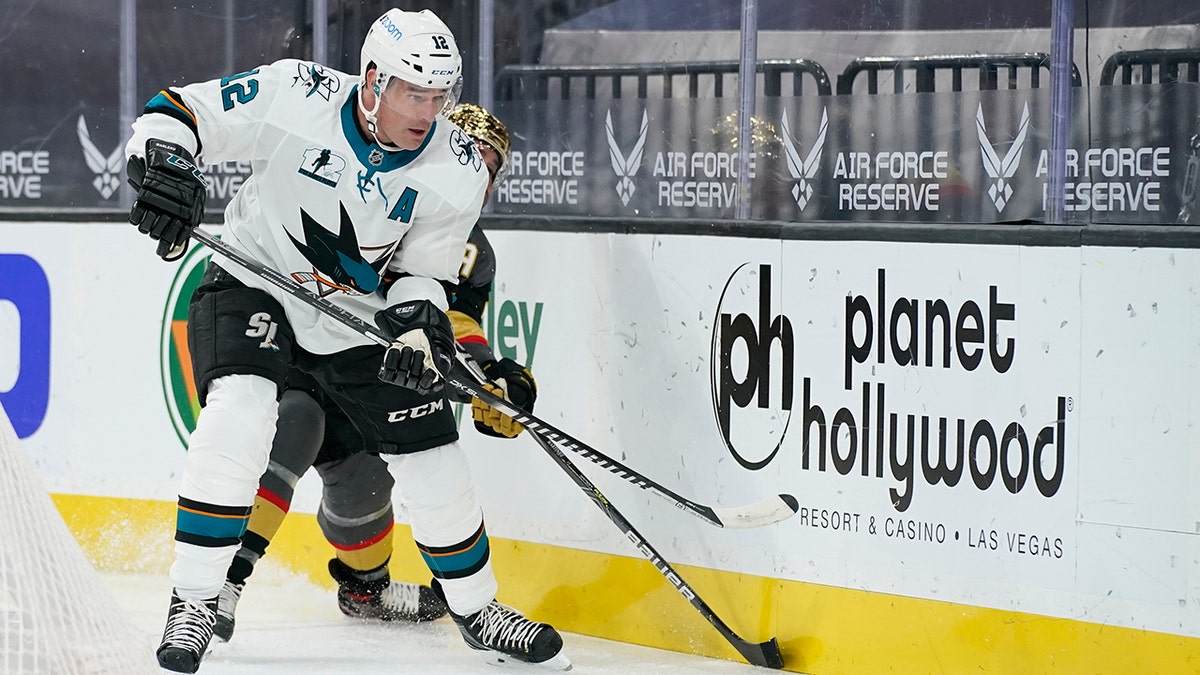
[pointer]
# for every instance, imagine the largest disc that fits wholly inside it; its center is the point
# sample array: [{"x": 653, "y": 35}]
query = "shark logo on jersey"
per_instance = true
[
  {"x": 464, "y": 148},
  {"x": 1001, "y": 170},
  {"x": 316, "y": 80},
  {"x": 803, "y": 170},
  {"x": 323, "y": 166},
  {"x": 105, "y": 168},
  {"x": 626, "y": 167},
  {"x": 338, "y": 263}
]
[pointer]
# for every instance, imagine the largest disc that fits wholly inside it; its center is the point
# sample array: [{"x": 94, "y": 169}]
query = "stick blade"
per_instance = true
[
  {"x": 766, "y": 512},
  {"x": 762, "y": 654}
]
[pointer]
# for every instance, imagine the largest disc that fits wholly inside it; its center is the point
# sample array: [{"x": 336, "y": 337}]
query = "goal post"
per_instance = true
[{"x": 56, "y": 614}]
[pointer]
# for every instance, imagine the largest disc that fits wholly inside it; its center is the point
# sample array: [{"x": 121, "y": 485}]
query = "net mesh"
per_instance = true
[{"x": 56, "y": 614}]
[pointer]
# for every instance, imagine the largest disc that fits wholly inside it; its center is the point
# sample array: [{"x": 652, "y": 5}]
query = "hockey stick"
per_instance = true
[
  {"x": 765, "y": 654},
  {"x": 468, "y": 378},
  {"x": 765, "y": 512}
]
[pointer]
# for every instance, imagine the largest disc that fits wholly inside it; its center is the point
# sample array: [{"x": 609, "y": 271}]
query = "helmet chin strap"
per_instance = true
[{"x": 369, "y": 115}]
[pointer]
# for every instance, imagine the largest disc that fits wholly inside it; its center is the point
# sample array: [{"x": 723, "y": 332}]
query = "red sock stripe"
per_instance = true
[
  {"x": 279, "y": 502},
  {"x": 365, "y": 544}
]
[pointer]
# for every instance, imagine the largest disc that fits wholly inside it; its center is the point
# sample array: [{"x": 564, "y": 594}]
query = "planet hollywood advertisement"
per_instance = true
[{"x": 921, "y": 413}]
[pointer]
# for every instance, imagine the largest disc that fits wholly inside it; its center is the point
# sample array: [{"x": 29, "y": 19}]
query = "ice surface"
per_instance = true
[{"x": 286, "y": 625}]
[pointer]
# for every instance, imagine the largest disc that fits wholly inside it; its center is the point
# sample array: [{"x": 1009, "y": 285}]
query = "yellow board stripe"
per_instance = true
[{"x": 821, "y": 629}]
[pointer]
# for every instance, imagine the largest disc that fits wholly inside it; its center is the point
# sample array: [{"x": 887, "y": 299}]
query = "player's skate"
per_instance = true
[
  {"x": 226, "y": 606},
  {"x": 373, "y": 595},
  {"x": 506, "y": 636},
  {"x": 188, "y": 632}
]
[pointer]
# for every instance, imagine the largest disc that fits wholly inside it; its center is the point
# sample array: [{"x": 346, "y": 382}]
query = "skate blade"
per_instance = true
[{"x": 558, "y": 662}]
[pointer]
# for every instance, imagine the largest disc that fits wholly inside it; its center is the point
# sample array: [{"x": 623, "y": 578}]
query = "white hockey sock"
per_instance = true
[
  {"x": 226, "y": 455},
  {"x": 228, "y": 451},
  {"x": 192, "y": 572},
  {"x": 439, "y": 494}
]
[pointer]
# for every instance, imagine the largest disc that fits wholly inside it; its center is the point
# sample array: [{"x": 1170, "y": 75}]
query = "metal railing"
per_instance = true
[
  {"x": 924, "y": 74},
  {"x": 1151, "y": 66},
  {"x": 656, "y": 80},
  {"x": 909, "y": 74}
]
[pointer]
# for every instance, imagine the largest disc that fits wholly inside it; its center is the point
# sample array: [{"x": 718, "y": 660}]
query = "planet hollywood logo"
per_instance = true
[
  {"x": 751, "y": 388},
  {"x": 862, "y": 428}
]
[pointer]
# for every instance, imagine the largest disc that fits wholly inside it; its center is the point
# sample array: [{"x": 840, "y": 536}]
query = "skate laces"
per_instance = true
[
  {"x": 402, "y": 597},
  {"x": 499, "y": 624},
  {"x": 227, "y": 599},
  {"x": 190, "y": 625}
]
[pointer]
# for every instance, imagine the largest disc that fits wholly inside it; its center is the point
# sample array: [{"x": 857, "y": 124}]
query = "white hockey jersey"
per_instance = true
[{"x": 325, "y": 204}]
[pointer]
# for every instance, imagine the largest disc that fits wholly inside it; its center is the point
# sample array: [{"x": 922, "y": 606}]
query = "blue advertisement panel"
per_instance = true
[{"x": 24, "y": 286}]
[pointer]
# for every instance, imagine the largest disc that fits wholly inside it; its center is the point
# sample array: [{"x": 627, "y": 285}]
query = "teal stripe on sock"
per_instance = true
[
  {"x": 455, "y": 564},
  {"x": 205, "y": 525}
]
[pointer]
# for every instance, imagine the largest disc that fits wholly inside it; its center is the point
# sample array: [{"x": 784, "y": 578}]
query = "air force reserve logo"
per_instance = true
[
  {"x": 1001, "y": 170},
  {"x": 803, "y": 170},
  {"x": 626, "y": 167},
  {"x": 105, "y": 168}
]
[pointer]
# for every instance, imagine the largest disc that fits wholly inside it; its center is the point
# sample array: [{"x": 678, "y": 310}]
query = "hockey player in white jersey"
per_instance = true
[
  {"x": 352, "y": 178},
  {"x": 356, "y": 499}
]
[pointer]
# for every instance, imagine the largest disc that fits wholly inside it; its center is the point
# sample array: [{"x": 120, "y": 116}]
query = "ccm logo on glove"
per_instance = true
[{"x": 422, "y": 348}]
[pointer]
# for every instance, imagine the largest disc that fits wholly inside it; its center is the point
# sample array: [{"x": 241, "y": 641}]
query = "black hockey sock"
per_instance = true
[
  {"x": 254, "y": 547},
  {"x": 360, "y": 582}
]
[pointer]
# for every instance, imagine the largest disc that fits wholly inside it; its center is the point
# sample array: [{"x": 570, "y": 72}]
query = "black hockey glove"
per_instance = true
[
  {"x": 515, "y": 384},
  {"x": 422, "y": 349},
  {"x": 170, "y": 196}
]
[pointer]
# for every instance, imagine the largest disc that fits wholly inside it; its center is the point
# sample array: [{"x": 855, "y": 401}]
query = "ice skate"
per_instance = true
[
  {"x": 226, "y": 606},
  {"x": 188, "y": 632},
  {"x": 506, "y": 636},
  {"x": 375, "y": 596}
]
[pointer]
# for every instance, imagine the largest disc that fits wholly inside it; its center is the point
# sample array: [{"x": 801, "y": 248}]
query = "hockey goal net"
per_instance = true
[{"x": 56, "y": 614}]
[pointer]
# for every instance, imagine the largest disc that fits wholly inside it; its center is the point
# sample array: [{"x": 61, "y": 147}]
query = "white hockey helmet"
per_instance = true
[{"x": 416, "y": 47}]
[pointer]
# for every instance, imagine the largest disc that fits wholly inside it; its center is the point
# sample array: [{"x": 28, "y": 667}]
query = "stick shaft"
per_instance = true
[
  {"x": 455, "y": 379},
  {"x": 764, "y": 654},
  {"x": 467, "y": 379}
]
